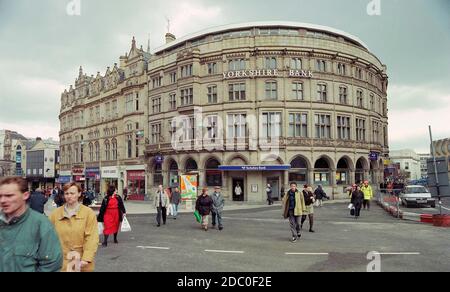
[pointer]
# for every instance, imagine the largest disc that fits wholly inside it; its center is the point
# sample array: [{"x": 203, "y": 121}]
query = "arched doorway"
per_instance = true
[
  {"x": 157, "y": 175},
  {"x": 213, "y": 174},
  {"x": 322, "y": 172},
  {"x": 359, "y": 171},
  {"x": 342, "y": 172},
  {"x": 173, "y": 174},
  {"x": 191, "y": 166},
  {"x": 299, "y": 171}
]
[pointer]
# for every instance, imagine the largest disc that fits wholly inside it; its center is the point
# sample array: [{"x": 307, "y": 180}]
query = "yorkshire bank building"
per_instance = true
[{"x": 245, "y": 105}]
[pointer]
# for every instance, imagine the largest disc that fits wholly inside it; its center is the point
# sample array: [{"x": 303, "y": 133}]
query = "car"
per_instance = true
[{"x": 416, "y": 194}]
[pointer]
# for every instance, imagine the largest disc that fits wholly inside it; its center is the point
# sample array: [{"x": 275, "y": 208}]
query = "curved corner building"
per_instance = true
[{"x": 266, "y": 103}]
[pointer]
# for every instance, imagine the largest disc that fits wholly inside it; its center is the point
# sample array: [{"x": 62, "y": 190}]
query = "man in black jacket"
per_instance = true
[{"x": 37, "y": 201}]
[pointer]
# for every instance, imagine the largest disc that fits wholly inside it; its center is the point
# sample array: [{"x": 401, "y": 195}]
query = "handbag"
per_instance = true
[
  {"x": 126, "y": 227},
  {"x": 352, "y": 212},
  {"x": 197, "y": 216}
]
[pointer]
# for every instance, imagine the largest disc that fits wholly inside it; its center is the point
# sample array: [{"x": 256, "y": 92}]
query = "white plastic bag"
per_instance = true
[
  {"x": 351, "y": 206},
  {"x": 169, "y": 210},
  {"x": 125, "y": 225},
  {"x": 100, "y": 227}
]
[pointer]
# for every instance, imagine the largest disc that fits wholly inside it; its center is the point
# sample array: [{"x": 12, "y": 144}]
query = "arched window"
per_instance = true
[
  {"x": 91, "y": 152},
  {"x": 342, "y": 172},
  {"x": 97, "y": 151},
  {"x": 213, "y": 174},
  {"x": 114, "y": 149},
  {"x": 322, "y": 172},
  {"x": 299, "y": 171},
  {"x": 107, "y": 150},
  {"x": 191, "y": 165},
  {"x": 173, "y": 174}
]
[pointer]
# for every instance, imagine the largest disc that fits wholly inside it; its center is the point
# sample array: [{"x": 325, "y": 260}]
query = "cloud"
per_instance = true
[{"x": 427, "y": 97}]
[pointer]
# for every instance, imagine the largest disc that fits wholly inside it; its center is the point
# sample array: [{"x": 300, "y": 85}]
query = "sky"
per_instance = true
[{"x": 42, "y": 46}]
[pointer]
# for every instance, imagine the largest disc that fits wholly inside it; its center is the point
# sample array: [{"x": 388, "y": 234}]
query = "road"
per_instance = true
[
  {"x": 258, "y": 241},
  {"x": 428, "y": 210}
]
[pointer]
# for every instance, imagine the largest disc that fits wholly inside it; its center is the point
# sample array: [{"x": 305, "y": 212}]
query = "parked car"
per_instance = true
[{"x": 418, "y": 195}]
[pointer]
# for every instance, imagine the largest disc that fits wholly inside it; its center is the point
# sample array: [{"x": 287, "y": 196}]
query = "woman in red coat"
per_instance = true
[{"x": 111, "y": 214}]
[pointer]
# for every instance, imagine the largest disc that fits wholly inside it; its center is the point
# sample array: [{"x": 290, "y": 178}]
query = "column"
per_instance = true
[
  {"x": 310, "y": 179},
  {"x": 351, "y": 174}
]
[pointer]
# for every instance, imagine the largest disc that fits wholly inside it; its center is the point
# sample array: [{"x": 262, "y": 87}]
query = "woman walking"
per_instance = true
[
  {"x": 309, "y": 209},
  {"x": 204, "y": 205},
  {"x": 77, "y": 229},
  {"x": 357, "y": 200},
  {"x": 111, "y": 214}
]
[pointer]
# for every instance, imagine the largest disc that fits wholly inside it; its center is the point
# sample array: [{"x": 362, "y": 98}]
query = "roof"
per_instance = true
[{"x": 286, "y": 24}]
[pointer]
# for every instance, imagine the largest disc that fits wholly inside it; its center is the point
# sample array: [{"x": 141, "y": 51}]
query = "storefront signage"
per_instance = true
[
  {"x": 373, "y": 156},
  {"x": 110, "y": 172},
  {"x": 159, "y": 159},
  {"x": 78, "y": 171},
  {"x": 93, "y": 172},
  {"x": 267, "y": 73},
  {"x": 254, "y": 167},
  {"x": 136, "y": 174},
  {"x": 64, "y": 179}
]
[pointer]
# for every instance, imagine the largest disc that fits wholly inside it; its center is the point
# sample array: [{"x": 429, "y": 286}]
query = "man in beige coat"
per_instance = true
[{"x": 293, "y": 208}]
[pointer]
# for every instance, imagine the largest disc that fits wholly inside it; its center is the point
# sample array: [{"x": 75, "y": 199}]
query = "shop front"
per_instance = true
[
  {"x": 135, "y": 185},
  {"x": 64, "y": 178},
  {"x": 109, "y": 177},
  {"x": 93, "y": 179},
  {"x": 78, "y": 176}
]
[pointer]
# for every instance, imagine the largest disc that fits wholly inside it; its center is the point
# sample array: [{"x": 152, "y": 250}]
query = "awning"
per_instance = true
[{"x": 254, "y": 167}]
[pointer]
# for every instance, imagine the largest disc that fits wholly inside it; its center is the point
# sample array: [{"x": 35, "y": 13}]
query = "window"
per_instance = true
[
  {"x": 343, "y": 95},
  {"x": 297, "y": 90},
  {"x": 360, "y": 130},
  {"x": 271, "y": 90},
  {"x": 173, "y": 77},
  {"x": 237, "y": 91},
  {"x": 172, "y": 129},
  {"x": 97, "y": 115},
  {"x": 129, "y": 142},
  {"x": 129, "y": 103},
  {"x": 188, "y": 127},
  {"x": 107, "y": 150},
  {"x": 212, "y": 68},
  {"x": 296, "y": 63},
  {"x": 137, "y": 148},
  {"x": 156, "y": 105},
  {"x": 114, "y": 149},
  {"x": 270, "y": 63},
  {"x": 323, "y": 126},
  {"x": 237, "y": 126},
  {"x": 97, "y": 151},
  {"x": 114, "y": 109},
  {"x": 375, "y": 132},
  {"x": 212, "y": 127},
  {"x": 186, "y": 71},
  {"x": 271, "y": 125},
  {"x": 372, "y": 102},
  {"x": 137, "y": 101},
  {"x": 212, "y": 94},
  {"x": 156, "y": 133},
  {"x": 173, "y": 101},
  {"x": 322, "y": 92},
  {"x": 91, "y": 152},
  {"x": 298, "y": 125},
  {"x": 359, "y": 99},
  {"x": 341, "y": 69},
  {"x": 359, "y": 73},
  {"x": 187, "y": 97},
  {"x": 108, "y": 110},
  {"x": 236, "y": 65},
  {"x": 157, "y": 81},
  {"x": 343, "y": 128},
  {"x": 321, "y": 65}
]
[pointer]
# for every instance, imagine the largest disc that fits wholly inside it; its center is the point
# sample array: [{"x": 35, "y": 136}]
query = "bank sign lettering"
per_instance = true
[{"x": 267, "y": 73}]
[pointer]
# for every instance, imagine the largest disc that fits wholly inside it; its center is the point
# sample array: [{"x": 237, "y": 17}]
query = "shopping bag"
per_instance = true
[
  {"x": 350, "y": 206},
  {"x": 198, "y": 217},
  {"x": 100, "y": 227},
  {"x": 352, "y": 212},
  {"x": 125, "y": 225}
]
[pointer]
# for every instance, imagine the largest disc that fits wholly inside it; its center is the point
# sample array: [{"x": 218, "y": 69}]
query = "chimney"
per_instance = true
[{"x": 170, "y": 38}]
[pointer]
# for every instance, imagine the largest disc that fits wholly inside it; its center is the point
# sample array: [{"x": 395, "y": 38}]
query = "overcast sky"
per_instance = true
[{"x": 42, "y": 47}]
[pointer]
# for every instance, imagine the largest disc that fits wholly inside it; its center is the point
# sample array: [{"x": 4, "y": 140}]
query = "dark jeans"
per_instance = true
[
  {"x": 269, "y": 199},
  {"x": 366, "y": 203},
  {"x": 161, "y": 211},
  {"x": 357, "y": 212}
]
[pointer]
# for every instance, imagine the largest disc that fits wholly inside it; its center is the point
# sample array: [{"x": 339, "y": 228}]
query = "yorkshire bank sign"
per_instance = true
[{"x": 267, "y": 73}]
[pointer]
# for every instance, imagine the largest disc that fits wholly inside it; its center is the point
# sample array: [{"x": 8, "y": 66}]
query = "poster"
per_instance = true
[{"x": 188, "y": 187}]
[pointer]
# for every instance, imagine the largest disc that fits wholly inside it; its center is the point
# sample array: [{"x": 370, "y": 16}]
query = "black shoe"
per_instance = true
[
  {"x": 164, "y": 223},
  {"x": 115, "y": 241},
  {"x": 220, "y": 228},
  {"x": 299, "y": 235},
  {"x": 310, "y": 230},
  {"x": 158, "y": 225},
  {"x": 294, "y": 239},
  {"x": 174, "y": 218},
  {"x": 104, "y": 244}
]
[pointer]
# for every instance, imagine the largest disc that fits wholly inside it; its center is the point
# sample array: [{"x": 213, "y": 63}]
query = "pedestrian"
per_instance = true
[
  {"x": 357, "y": 200},
  {"x": 28, "y": 240},
  {"x": 37, "y": 201},
  {"x": 269, "y": 194},
  {"x": 282, "y": 193},
  {"x": 111, "y": 214},
  {"x": 217, "y": 207},
  {"x": 293, "y": 206},
  {"x": 320, "y": 194},
  {"x": 77, "y": 229},
  {"x": 161, "y": 203},
  {"x": 169, "y": 207},
  {"x": 175, "y": 200},
  {"x": 204, "y": 205},
  {"x": 368, "y": 194},
  {"x": 309, "y": 209},
  {"x": 238, "y": 191},
  {"x": 55, "y": 192},
  {"x": 59, "y": 198},
  {"x": 125, "y": 194}
]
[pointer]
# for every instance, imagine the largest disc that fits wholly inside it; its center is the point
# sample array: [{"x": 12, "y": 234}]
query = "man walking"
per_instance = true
[
  {"x": 175, "y": 201},
  {"x": 161, "y": 203},
  {"x": 37, "y": 201},
  {"x": 368, "y": 194},
  {"x": 269, "y": 194},
  {"x": 293, "y": 206},
  {"x": 28, "y": 240},
  {"x": 217, "y": 207}
]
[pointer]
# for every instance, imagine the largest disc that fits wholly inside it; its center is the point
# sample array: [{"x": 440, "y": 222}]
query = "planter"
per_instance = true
[{"x": 441, "y": 220}]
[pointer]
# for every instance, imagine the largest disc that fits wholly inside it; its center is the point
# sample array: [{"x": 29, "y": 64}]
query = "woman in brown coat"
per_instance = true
[{"x": 77, "y": 229}]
